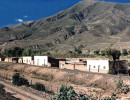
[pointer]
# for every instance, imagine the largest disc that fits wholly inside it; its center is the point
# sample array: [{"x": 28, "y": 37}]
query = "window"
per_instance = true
[
  {"x": 104, "y": 67},
  {"x": 80, "y": 60}
]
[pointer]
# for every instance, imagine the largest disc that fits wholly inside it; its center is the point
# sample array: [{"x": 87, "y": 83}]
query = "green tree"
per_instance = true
[
  {"x": 9, "y": 53},
  {"x": 115, "y": 54},
  {"x": 124, "y": 52},
  {"x": 6, "y": 53},
  {"x": 27, "y": 52},
  {"x": 17, "y": 52}
]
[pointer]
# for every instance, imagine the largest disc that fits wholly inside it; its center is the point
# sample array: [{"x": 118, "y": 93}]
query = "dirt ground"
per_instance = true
[{"x": 96, "y": 84}]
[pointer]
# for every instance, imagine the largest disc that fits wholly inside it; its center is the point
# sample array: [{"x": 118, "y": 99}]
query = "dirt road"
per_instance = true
[{"x": 19, "y": 93}]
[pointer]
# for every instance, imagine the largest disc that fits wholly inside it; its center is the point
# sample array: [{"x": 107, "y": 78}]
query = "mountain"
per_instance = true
[{"x": 88, "y": 25}]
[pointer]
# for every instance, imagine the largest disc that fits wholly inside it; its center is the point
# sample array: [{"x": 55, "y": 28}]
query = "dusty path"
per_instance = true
[{"x": 19, "y": 93}]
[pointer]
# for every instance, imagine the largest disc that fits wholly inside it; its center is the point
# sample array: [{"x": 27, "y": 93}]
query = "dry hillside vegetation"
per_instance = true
[
  {"x": 88, "y": 83},
  {"x": 87, "y": 25}
]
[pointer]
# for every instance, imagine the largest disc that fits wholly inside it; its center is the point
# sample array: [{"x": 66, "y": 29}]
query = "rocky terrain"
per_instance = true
[{"x": 88, "y": 25}]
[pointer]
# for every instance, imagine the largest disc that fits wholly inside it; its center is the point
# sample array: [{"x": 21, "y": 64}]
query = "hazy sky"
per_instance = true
[{"x": 16, "y": 11}]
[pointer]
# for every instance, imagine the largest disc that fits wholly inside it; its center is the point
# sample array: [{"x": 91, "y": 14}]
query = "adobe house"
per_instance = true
[
  {"x": 20, "y": 60},
  {"x": 46, "y": 61},
  {"x": 85, "y": 64},
  {"x": 28, "y": 60},
  {"x": 11, "y": 59},
  {"x": 41, "y": 60},
  {"x": 100, "y": 66}
]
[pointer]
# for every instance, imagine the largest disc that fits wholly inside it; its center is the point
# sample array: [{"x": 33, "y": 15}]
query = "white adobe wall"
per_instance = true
[
  {"x": 41, "y": 60},
  {"x": 101, "y": 66},
  {"x": 27, "y": 60}
]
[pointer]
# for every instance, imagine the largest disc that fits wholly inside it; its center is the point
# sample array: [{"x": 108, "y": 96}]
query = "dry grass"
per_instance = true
[{"x": 81, "y": 81}]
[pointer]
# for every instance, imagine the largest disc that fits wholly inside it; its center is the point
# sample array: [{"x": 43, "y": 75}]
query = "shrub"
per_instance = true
[
  {"x": 121, "y": 88},
  {"x": 1, "y": 88},
  {"x": 108, "y": 98},
  {"x": 78, "y": 51},
  {"x": 125, "y": 52},
  {"x": 83, "y": 28},
  {"x": 129, "y": 52},
  {"x": 129, "y": 72},
  {"x": 111, "y": 72},
  {"x": 102, "y": 53},
  {"x": 15, "y": 78},
  {"x": 67, "y": 93},
  {"x": 19, "y": 81},
  {"x": 70, "y": 30},
  {"x": 39, "y": 86},
  {"x": 96, "y": 52},
  {"x": 5, "y": 95}
]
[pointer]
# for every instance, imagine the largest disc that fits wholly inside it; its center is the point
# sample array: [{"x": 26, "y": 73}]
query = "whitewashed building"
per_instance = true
[
  {"x": 28, "y": 60},
  {"x": 101, "y": 66},
  {"x": 41, "y": 60}
]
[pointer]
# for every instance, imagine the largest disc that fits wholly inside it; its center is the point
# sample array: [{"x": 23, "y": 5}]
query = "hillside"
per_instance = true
[
  {"x": 90, "y": 84},
  {"x": 88, "y": 25}
]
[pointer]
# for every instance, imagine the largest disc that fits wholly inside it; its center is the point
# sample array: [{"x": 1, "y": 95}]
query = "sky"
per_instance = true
[
  {"x": 119, "y": 1},
  {"x": 17, "y": 11}
]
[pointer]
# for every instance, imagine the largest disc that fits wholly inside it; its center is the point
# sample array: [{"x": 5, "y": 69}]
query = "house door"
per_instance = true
[
  {"x": 89, "y": 68},
  {"x": 37, "y": 61},
  {"x": 44, "y": 62},
  {"x": 27, "y": 61},
  {"x": 98, "y": 68}
]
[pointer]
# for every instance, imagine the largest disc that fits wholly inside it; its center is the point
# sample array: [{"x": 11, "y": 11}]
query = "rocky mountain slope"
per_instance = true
[{"x": 88, "y": 25}]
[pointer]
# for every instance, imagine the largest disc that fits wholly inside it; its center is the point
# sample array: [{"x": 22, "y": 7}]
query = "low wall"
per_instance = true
[
  {"x": 100, "y": 71},
  {"x": 81, "y": 67}
]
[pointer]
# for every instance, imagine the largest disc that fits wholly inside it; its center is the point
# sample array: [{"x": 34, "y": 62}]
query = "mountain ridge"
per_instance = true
[{"x": 88, "y": 25}]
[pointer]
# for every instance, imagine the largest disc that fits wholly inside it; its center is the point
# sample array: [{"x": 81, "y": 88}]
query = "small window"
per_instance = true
[
  {"x": 80, "y": 59},
  {"x": 104, "y": 67}
]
